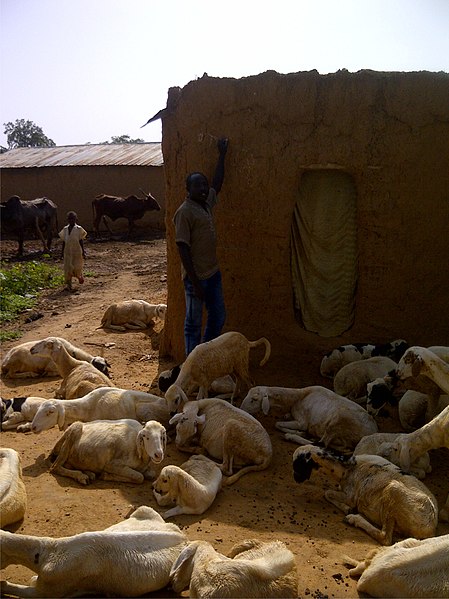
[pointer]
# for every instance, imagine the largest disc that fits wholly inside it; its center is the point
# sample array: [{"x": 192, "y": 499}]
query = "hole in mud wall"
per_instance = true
[{"x": 324, "y": 252}]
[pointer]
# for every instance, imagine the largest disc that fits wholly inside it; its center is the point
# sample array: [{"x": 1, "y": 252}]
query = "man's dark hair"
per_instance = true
[{"x": 190, "y": 177}]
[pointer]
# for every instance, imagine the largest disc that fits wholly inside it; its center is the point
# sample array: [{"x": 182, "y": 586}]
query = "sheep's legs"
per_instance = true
[
  {"x": 289, "y": 426},
  {"x": 84, "y": 478},
  {"x": 384, "y": 536},
  {"x": 297, "y": 439},
  {"x": 339, "y": 499},
  {"x": 18, "y": 590},
  {"x": 136, "y": 325},
  {"x": 121, "y": 473}
]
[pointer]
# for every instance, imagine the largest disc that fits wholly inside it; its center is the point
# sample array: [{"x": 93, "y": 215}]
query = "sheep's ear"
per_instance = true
[
  {"x": 265, "y": 404},
  {"x": 416, "y": 365},
  {"x": 174, "y": 419},
  {"x": 404, "y": 456},
  {"x": 181, "y": 571},
  {"x": 201, "y": 419},
  {"x": 61, "y": 416},
  {"x": 140, "y": 445}
]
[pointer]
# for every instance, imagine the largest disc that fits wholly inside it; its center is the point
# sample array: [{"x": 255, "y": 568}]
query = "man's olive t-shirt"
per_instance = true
[{"x": 194, "y": 226}]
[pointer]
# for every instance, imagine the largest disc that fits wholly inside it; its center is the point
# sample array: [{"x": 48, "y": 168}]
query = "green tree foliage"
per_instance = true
[
  {"x": 124, "y": 139},
  {"x": 26, "y": 134}
]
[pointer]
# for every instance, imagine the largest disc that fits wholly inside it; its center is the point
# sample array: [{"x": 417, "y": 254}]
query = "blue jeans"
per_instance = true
[{"x": 216, "y": 313}]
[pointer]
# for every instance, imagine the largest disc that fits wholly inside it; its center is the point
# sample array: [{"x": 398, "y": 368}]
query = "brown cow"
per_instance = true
[
  {"x": 132, "y": 208},
  {"x": 39, "y": 215}
]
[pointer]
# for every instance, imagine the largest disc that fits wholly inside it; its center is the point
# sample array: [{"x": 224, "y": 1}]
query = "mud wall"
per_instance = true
[
  {"x": 388, "y": 131},
  {"x": 74, "y": 188}
]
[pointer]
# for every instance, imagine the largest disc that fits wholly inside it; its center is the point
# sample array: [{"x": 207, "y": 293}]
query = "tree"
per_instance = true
[
  {"x": 124, "y": 139},
  {"x": 26, "y": 134}
]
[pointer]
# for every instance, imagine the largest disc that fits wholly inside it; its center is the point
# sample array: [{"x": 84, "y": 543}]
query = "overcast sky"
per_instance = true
[{"x": 87, "y": 70}]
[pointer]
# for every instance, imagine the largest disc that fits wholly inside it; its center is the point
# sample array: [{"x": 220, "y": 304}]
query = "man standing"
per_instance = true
[{"x": 196, "y": 241}]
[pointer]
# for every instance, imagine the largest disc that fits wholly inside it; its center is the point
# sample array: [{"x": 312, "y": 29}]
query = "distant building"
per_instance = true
[
  {"x": 72, "y": 176},
  {"x": 332, "y": 220}
]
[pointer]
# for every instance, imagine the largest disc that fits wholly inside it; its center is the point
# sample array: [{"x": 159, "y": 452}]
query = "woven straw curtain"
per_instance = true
[{"x": 324, "y": 252}]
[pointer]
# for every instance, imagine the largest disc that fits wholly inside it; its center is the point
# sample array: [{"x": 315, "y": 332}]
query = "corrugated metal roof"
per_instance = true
[{"x": 144, "y": 154}]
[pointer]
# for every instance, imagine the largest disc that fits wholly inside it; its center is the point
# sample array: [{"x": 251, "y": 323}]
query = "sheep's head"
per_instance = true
[
  {"x": 175, "y": 398},
  {"x": 187, "y": 424},
  {"x": 379, "y": 393},
  {"x": 256, "y": 399},
  {"x": 46, "y": 346},
  {"x": 163, "y": 485},
  {"x": 48, "y": 415},
  {"x": 181, "y": 571},
  {"x": 101, "y": 364},
  {"x": 410, "y": 365},
  {"x": 152, "y": 440},
  {"x": 161, "y": 310}
]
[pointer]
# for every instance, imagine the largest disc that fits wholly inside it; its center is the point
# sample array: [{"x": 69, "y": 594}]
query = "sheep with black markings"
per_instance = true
[
  {"x": 227, "y": 354},
  {"x": 334, "y": 360},
  {"x": 13, "y": 496},
  {"x": 18, "y": 413},
  {"x": 351, "y": 381},
  {"x": 252, "y": 569},
  {"x": 336, "y": 421},
  {"x": 78, "y": 377},
  {"x": 104, "y": 403},
  {"x": 132, "y": 314},
  {"x": 118, "y": 450},
  {"x": 409, "y": 568},
  {"x": 19, "y": 362},
  {"x": 226, "y": 433},
  {"x": 381, "y": 494},
  {"x": 128, "y": 559},
  {"x": 192, "y": 487}
]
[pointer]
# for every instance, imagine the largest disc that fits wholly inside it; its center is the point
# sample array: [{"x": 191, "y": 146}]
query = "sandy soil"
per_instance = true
[{"x": 267, "y": 505}]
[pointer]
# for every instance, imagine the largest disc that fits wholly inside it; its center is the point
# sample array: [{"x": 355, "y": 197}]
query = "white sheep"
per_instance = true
[
  {"x": 13, "y": 496},
  {"x": 227, "y": 354},
  {"x": 384, "y": 445},
  {"x": 252, "y": 569},
  {"x": 336, "y": 421},
  {"x": 19, "y": 362},
  {"x": 78, "y": 377},
  {"x": 192, "y": 487},
  {"x": 422, "y": 361},
  {"x": 351, "y": 380},
  {"x": 118, "y": 450},
  {"x": 409, "y": 568},
  {"x": 413, "y": 409},
  {"x": 334, "y": 360},
  {"x": 226, "y": 433},
  {"x": 18, "y": 413},
  {"x": 105, "y": 403},
  {"x": 132, "y": 314},
  {"x": 128, "y": 559},
  {"x": 377, "y": 490}
]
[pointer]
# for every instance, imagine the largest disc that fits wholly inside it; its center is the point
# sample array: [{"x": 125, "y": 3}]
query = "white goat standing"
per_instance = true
[
  {"x": 252, "y": 569},
  {"x": 227, "y": 354},
  {"x": 226, "y": 433},
  {"x": 119, "y": 450},
  {"x": 78, "y": 377},
  {"x": 409, "y": 568},
  {"x": 104, "y": 403},
  {"x": 336, "y": 421},
  {"x": 127, "y": 559},
  {"x": 377, "y": 489},
  {"x": 13, "y": 496},
  {"x": 20, "y": 363},
  {"x": 193, "y": 486},
  {"x": 132, "y": 314}
]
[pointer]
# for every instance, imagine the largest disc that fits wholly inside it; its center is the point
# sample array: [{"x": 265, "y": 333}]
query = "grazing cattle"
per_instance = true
[
  {"x": 132, "y": 208},
  {"x": 40, "y": 215}
]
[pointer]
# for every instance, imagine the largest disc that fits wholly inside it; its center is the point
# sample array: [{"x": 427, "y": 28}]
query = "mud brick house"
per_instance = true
[
  {"x": 333, "y": 218},
  {"x": 72, "y": 176}
]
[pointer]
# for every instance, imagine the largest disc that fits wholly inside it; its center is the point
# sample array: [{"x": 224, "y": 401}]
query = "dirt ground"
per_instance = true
[{"x": 267, "y": 505}]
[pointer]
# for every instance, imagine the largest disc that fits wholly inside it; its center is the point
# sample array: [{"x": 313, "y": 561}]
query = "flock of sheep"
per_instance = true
[{"x": 121, "y": 435}]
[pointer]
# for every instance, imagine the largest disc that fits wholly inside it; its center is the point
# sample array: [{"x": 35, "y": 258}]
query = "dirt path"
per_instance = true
[{"x": 267, "y": 505}]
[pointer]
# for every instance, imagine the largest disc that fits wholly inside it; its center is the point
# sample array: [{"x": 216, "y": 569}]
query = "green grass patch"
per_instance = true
[{"x": 20, "y": 286}]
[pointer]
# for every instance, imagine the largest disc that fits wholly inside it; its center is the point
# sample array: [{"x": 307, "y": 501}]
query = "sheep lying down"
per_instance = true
[
  {"x": 13, "y": 496},
  {"x": 128, "y": 559},
  {"x": 193, "y": 486},
  {"x": 410, "y": 568},
  {"x": 252, "y": 569},
  {"x": 119, "y": 450},
  {"x": 132, "y": 314}
]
